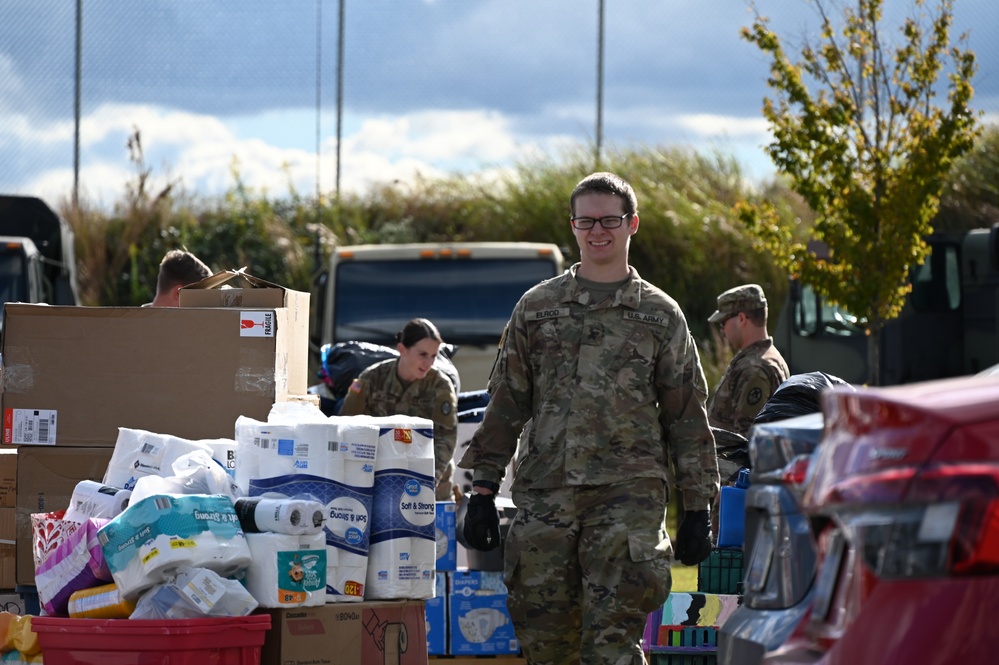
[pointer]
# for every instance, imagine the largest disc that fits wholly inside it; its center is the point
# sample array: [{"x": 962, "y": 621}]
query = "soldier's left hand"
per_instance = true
[{"x": 693, "y": 538}]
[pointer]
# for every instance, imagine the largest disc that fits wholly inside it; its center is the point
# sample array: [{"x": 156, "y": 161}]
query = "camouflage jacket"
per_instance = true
[
  {"x": 749, "y": 381},
  {"x": 615, "y": 390},
  {"x": 379, "y": 392}
]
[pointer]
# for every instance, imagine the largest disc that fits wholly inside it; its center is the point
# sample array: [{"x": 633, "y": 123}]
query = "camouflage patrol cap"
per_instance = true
[{"x": 743, "y": 298}]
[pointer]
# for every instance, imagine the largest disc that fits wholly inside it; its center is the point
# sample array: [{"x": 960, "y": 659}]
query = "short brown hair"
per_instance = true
[
  {"x": 605, "y": 183},
  {"x": 179, "y": 268}
]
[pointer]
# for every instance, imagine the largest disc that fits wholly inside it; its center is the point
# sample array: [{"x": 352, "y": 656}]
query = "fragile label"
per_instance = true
[
  {"x": 256, "y": 324},
  {"x": 29, "y": 426}
]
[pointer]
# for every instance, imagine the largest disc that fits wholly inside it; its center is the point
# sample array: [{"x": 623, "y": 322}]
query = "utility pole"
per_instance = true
[
  {"x": 76, "y": 101},
  {"x": 600, "y": 82}
]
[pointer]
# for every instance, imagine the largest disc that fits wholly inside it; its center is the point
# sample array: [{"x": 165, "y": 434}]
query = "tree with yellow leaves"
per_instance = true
[{"x": 862, "y": 136}]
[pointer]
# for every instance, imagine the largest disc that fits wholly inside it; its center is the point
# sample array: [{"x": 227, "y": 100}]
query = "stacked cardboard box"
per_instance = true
[{"x": 72, "y": 376}]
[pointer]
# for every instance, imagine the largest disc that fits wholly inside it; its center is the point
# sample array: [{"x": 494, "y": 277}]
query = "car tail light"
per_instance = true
[
  {"x": 796, "y": 471},
  {"x": 947, "y": 525}
]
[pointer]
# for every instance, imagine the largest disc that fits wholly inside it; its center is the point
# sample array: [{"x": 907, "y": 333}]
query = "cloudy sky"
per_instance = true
[{"x": 429, "y": 86}]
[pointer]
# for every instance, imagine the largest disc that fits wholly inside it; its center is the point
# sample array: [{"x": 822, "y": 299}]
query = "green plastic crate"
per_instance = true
[
  {"x": 682, "y": 659},
  {"x": 721, "y": 572}
]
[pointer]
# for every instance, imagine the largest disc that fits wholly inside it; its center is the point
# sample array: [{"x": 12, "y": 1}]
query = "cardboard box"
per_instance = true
[
  {"x": 447, "y": 541},
  {"x": 73, "y": 375},
  {"x": 221, "y": 290},
  {"x": 46, "y": 478},
  {"x": 436, "y": 609},
  {"x": 478, "y": 619},
  {"x": 366, "y": 633},
  {"x": 8, "y": 478},
  {"x": 8, "y": 548}
]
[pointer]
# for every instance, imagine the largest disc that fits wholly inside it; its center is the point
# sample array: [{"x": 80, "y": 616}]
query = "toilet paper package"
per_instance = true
[
  {"x": 403, "y": 545},
  {"x": 295, "y": 517},
  {"x": 77, "y": 563},
  {"x": 330, "y": 461},
  {"x": 480, "y": 623},
  {"x": 155, "y": 537},
  {"x": 140, "y": 453},
  {"x": 287, "y": 570}
]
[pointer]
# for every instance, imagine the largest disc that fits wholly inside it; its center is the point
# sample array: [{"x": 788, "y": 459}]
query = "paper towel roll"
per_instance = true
[
  {"x": 93, "y": 499},
  {"x": 288, "y": 516},
  {"x": 287, "y": 570}
]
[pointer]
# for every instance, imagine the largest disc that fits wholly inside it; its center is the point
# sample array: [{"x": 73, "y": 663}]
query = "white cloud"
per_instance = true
[{"x": 199, "y": 152}]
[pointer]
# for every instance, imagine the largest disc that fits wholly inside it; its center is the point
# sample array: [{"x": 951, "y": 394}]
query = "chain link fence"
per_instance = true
[{"x": 247, "y": 90}]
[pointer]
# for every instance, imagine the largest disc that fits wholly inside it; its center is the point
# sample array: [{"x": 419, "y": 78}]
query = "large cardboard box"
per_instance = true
[
  {"x": 46, "y": 478},
  {"x": 73, "y": 375},
  {"x": 223, "y": 290},
  {"x": 366, "y": 633}
]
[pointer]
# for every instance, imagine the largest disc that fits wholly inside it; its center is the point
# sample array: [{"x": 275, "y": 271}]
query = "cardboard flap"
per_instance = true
[{"x": 225, "y": 276}]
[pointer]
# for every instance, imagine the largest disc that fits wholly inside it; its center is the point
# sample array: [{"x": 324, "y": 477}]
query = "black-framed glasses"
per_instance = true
[{"x": 609, "y": 222}]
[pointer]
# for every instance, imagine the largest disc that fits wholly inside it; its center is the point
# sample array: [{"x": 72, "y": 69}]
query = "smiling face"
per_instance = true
[
  {"x": 603, "y": 252},
  {"x": 415, "y": 361}
]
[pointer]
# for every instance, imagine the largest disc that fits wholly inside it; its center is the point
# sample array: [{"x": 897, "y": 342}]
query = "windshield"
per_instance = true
[{"x": 469, "y": 301}]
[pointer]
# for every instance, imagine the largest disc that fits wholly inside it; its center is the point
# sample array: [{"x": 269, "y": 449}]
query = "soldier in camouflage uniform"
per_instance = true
[
  {"x": 410, "y": 385},
  {"x": 754, "y": 373},
  {"x": 603, "y": 366}
]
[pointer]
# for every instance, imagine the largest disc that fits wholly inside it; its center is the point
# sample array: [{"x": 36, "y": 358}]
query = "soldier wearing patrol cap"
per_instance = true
[
  {"x": 757, "y": 368},
  {"x": 412, "y": 386},
  {"x": 603, "y": 367}
]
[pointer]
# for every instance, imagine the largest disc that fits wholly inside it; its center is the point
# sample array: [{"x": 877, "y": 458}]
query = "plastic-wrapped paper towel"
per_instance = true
[
  {"x": 331, "y": 461},
  {"x": 93, "y": 499},
  {"x": 155, "y": 537},
  {"x": 287, "y": 570},
  {"x": 403, "y": 550},
  {"x": 294, "y": 517},
  {"x": 140, "y": 453}
]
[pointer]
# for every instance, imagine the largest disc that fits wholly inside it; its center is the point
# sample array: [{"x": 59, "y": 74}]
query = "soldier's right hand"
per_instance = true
[{"x": 481, "y": 528}]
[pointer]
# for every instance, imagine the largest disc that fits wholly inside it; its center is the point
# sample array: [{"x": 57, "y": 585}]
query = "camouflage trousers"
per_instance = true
[{"x": 584, "y": 567}]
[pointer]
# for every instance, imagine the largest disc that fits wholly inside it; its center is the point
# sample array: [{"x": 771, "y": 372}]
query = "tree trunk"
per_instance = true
[{"x": 874, "y": 356}]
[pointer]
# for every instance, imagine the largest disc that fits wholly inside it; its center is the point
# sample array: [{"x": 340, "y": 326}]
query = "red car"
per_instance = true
[{"x": 904, "y": 499}]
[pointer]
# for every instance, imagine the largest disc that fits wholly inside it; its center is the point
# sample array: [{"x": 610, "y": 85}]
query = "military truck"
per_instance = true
[
  {"x": 947, "y": 326},
  {"x": 367, "y": 293},
  {"x": 37, "y": 257}
]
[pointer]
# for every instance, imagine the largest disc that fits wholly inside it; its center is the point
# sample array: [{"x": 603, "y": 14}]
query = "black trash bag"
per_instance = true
[
  {"x": 343, "y": 362},
  {"x": 799, "y": 395},
  {"x": 733, "y": 453}
]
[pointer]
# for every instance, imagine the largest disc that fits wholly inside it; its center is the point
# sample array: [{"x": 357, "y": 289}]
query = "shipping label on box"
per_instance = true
[
  {"x": 365, "y": 633},
  {"x": 447, "y": 543},
  {"x": 437, "y": 618},
  {"x": 479, "y": 622}
]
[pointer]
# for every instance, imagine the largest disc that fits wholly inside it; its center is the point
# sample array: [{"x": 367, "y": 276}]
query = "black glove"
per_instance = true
[
  {"x": 693, "y": 538},
  {"x": 481, "y": 528}
]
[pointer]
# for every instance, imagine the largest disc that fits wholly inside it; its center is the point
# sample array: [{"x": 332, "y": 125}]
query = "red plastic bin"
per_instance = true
[{"x": 223, "y": 641}]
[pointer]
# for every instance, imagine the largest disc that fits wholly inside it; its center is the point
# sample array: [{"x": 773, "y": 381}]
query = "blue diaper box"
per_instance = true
[
  {"x": 437, "y": 618},
  {"x": 447, "y": 543},
  {"x": 479, "y": 621}
]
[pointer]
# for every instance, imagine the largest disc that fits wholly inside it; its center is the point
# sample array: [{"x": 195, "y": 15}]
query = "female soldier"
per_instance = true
[{"x": 410, "y": 385}]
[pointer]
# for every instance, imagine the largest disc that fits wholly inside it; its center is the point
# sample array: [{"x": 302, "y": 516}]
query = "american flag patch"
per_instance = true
[{"x": 355, "y": 386}]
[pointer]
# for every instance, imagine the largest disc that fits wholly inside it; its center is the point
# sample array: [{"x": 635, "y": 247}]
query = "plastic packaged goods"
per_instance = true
[{"x": 100, "y": 602}]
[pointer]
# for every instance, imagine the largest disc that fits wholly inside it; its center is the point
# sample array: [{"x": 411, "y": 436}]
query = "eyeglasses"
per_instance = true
[{"x": 610, "y": 222}]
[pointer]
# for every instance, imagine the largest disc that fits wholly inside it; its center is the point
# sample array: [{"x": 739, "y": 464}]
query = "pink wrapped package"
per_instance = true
[
  {"x": 76, "y": 563},
  {"x": 47, "y": 531}
]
